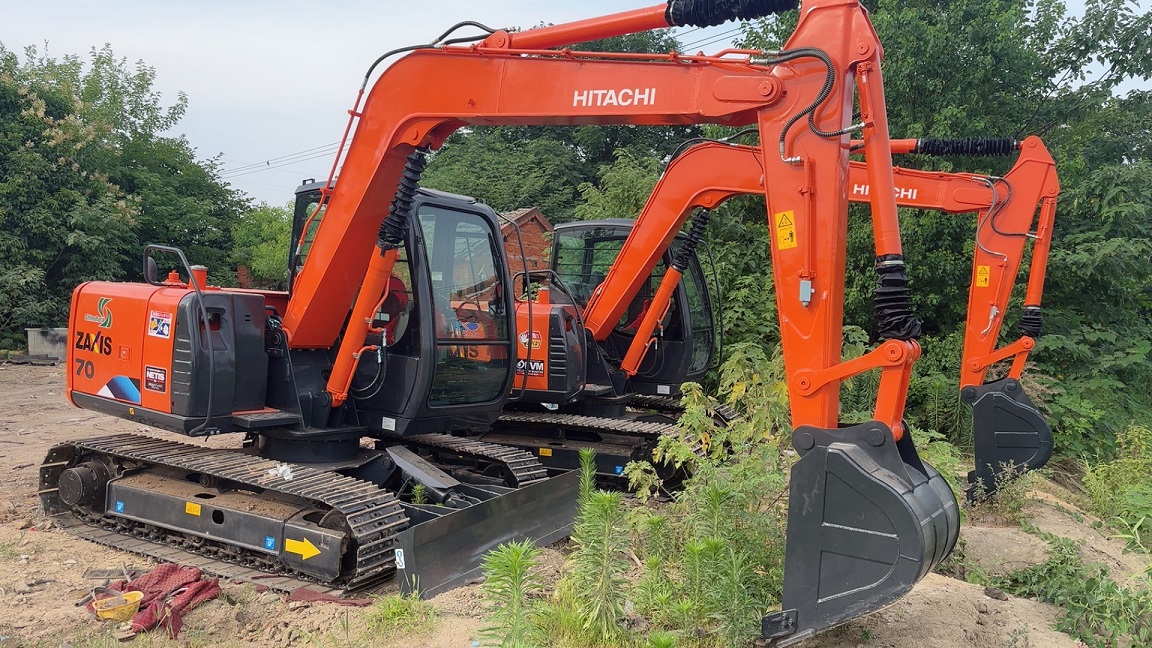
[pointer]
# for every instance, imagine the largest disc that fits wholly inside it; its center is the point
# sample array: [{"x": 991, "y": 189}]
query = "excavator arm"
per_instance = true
[{"x": 1007, "y": 427}]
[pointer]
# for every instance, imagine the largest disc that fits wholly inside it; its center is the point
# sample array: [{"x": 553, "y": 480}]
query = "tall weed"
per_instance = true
[{"x": 510, "y": 588}]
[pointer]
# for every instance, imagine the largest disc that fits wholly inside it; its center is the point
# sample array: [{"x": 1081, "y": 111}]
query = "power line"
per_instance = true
[
  {"x": 269, "y": 161},
  {"x": 717, "y": 39},
  {"x": 711, "y": 38},
  {"x": 284, "y": 163}
]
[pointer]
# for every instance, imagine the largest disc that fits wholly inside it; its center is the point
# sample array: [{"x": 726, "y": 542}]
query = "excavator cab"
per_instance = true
[
  {"x": 687, "y": 342},
  {"x": 443, "y": 327}
]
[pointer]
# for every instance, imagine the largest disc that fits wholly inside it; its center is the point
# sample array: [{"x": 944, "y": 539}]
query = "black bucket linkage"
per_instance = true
[
  {"x": 867, "y": 519},
  {"x": 1009, "y": 435}
]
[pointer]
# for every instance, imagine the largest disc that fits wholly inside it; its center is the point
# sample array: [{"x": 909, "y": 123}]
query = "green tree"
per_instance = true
[
  {"x": 261, "y": 242},
  {"x": 90, "y": 175},
  {"x": 507, "y": 173},
  {"x": 62, "y": 221},
  {"x": 623, "y": 189}
]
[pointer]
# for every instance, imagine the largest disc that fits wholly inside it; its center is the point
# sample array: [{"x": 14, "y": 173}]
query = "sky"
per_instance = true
[{"x": 270, "y": 82}]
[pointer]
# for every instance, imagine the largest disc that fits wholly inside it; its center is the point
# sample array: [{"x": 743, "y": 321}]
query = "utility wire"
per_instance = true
[
  {"x": 265, "y": 163},
  {"x": 718, "y": 39},
  {"x": 713, "y": 38},
  {"x": 269, "y": 167}
]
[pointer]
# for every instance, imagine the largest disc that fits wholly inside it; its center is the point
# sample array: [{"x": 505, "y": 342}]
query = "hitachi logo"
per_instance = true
[
  {"x": 625, "y": 97},
  {"x": 901, "y": 193}
]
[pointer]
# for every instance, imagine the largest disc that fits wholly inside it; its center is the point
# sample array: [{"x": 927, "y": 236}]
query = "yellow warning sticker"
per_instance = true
[
  {"x": 983, "y": 274},
  {"x": 191, "y": 508},
  {"x": 545, "y": 452},
  {"x": 785, "y": 230}
]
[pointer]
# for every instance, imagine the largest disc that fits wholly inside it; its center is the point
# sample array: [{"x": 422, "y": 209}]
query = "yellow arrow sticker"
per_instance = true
[
  {"x": 983, "y": 274},
  {"x": 303, "y": 547},
  {"x": 785, "y": 230}
]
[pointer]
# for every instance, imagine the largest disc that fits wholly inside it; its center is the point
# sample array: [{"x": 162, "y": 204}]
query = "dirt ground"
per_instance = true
[{"x": 42, "y": 568}]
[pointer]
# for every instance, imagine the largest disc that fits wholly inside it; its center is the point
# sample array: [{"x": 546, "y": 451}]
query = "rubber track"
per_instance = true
[
  {"x": 373, "y": 515},
  {"x": 523, "y": 466}
]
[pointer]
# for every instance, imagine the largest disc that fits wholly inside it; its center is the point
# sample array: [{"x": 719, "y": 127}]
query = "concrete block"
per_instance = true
[{"x": 51, "y": 342}]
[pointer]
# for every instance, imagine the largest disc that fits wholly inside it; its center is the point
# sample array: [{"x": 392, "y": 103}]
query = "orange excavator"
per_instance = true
[
  {"x": 386, "y": 398},
  {"x": 1010, "y": 434}
]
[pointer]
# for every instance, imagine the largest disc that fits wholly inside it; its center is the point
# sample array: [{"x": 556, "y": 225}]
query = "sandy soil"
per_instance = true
[{"x": 42, "y": 568}]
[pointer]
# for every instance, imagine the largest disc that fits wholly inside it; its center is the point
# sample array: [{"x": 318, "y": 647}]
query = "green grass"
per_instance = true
[{"x": 389, "y": 614}]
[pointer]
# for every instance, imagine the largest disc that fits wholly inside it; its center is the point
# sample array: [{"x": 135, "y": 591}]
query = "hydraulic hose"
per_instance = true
[
  {"x": 709, "y": 13},
  {"x": 394, "y": 227}
]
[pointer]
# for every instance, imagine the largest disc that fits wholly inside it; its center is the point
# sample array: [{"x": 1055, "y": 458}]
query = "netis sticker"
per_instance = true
[{"x": 155, "y": 379}]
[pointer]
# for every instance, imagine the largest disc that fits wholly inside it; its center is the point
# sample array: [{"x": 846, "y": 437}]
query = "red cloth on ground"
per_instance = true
[{"x": 170, "y": 592}]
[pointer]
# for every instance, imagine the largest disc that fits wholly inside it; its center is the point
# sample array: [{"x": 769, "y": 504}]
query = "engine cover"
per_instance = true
[{"x": 142, "y": 351}]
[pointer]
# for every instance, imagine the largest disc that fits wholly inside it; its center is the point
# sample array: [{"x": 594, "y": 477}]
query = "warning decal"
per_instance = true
[
  {"x": 785, "y": 230},
  {"x": 983, "y": 274}
]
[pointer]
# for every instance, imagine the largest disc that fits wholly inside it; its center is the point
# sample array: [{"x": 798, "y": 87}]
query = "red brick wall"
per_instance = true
[{"x": 537, "y": 246}]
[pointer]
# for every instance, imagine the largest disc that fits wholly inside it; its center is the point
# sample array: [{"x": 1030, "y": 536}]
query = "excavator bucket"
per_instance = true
[
  {"x": 1009, "y": 435},
  {"x": 866, "y": 521}
]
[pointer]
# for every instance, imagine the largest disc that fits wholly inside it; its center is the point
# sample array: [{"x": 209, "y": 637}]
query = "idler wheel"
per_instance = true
[{"x": 83, "y": 484}]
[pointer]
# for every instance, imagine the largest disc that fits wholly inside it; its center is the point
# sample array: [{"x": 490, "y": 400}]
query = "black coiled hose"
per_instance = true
[
  {"x": 893, "y": 302},
  {"x": 708, "y": 13},
  {"x": 683, "y": 256},
  {"x": 395, "y": 225},
  {"x": 967, "y": 146}
]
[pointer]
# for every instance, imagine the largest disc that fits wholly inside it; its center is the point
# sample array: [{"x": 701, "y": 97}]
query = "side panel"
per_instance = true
[
  {"x": 532, "y": 346},
  {"x": 157, "y": 342},
  {"x": 107, "y": 326}
]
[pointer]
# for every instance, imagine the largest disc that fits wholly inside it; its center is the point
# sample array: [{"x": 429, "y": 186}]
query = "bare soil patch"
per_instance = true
[{"x": 42, "y": 568}]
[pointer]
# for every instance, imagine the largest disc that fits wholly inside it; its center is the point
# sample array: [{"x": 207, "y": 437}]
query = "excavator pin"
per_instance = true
[
  {"x": 1009, "y": 435},
  {"x": 867, "y": 519}
]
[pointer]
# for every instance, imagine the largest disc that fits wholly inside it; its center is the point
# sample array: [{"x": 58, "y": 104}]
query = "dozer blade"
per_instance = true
[
  {"x": 866, "y": 521},
  {"x": 1008, "y": 433},
  {"x": 446, "y": 551}
]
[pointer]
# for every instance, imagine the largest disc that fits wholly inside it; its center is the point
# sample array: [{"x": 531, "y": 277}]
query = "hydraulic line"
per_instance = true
[{"x": 709, "y": 13}]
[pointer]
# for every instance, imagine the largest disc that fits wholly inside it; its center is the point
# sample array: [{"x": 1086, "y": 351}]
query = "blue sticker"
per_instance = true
[
  {"x": 270, "y": 543},
  {"x": 619, "y": 470},
  {"x": 119, "y": 506}
]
